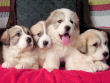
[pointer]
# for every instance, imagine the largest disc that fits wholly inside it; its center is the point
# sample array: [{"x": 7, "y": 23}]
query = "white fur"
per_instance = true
[
  {"x": 99, "y": 54},
  {"x": 22, "y": 42},
  {"x": 41, "y": 49},
  {"x": 20, "y": 55},
  {"x": 58, "y": 52},
  {"x": 93, "y": 61},
  {"x": 44, "y": 37}
]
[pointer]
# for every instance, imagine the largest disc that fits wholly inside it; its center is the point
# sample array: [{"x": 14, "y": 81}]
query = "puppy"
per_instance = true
[
  {"x": 63, "y": 28},
  {"x": 92, "y": 52},
  {"x": 42, "y": 39},
  {"x": 18, "y": 48}
]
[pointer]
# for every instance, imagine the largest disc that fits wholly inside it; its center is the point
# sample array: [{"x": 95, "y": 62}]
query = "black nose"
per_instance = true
[
  {"x": 105, "y": 54},
  {"x": 67, "y": 28},
  {"x": 29, "y": 40},
  {"x": 45, "y": 43}
]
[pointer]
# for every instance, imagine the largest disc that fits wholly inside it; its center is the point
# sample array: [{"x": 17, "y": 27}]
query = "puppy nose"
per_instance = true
[
  {"x": 28, "y": 40},
  {"x": 45, "y": 43},
  {"x": 105, "y": 54},
  {"x": 67, "y": 28}
]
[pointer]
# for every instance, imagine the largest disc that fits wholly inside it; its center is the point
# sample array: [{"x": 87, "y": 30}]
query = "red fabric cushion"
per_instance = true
[{"x": 56, "y": 76}]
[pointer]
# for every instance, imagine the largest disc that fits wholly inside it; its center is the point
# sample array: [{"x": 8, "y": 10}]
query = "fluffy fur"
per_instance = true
[
  {"x": 92, "y": 52},
  {"x": 18, "y": 48},
  {"x": 42, "y": 39},
  {"x": 57, "y": 27}
]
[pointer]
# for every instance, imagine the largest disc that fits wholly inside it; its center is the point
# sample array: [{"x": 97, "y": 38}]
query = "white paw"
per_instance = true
[
  {"x": 49, "y": 69},
  {"x": 91, "y": 70},
  {"x": 19, "y": 66},
  {"x": 102, "y": 66},
  {"x": 6, "y": 65},
  {"x": 35, "y": 66},
  {"x": 50, "y": 66},
  {"x": 87, "y": 69}
]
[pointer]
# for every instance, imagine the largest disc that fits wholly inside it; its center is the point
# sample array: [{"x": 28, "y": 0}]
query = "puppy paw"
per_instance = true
[
  {"x": 92, "y": 70},
  {"x": 102, "y": 66},
  {"x": 35, "y": 66},
  {"x": 105, "y": 67},
  {"x": 19, "y": 66},
  {"x": 49, "y": 69},
  {"x": 6, "y": 65},
  {"x": 88, "y": 69}
]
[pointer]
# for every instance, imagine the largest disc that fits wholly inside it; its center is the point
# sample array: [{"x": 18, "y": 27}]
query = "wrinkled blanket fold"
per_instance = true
[{"x": 56, "y": 76}]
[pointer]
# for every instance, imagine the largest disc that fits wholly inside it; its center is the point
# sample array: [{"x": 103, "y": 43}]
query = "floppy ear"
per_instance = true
[
  {"x": 82, "y": 45},
  {"x": 35, "y": 27},
  {"x": 105, "y": 34},
  {"x": 49, "y": 19},
  {"x": 77, "y": 29},
  {"x": 5, "y": 37},
  {"x": 76, "y": 19}
]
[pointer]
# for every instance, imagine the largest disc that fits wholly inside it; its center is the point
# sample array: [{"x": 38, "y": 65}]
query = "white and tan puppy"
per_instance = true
[
  {"x": 63, "y": 28},
  {"x": 92, "y": 52},
  {"x": 42, "y": 39},
  {"x": 18, "y": 48}
]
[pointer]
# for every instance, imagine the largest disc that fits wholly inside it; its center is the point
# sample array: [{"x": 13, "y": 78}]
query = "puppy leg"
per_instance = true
[
  {"x": 36, "y": 65},
  {"x": 77, "y": 64},
  {"x": 8, "y": 64},
  {"x": 20, "y": 66},
  {"x": 82, "y": 67},
  {"x": 51, "y": 62},
  {"x": 26, "y": 66},
  {"x": 27, "y": 63},
  {"x": 101, "y": 66}
]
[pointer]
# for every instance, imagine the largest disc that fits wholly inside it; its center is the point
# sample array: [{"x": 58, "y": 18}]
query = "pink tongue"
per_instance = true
[{"x": 65, "y": 40}]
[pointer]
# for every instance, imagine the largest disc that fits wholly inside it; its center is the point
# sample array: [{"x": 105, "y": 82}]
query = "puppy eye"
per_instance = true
[
  {"x": 18, "y": 34},
  {"x": 60, "y": 21},
  {"x": 105, "y": 43},
  {"x": 95, "y": 44},
  {"x": 28, "y": 33},
  {"x": 71, "y": 21},
  {"x": 39, "y": 34}
]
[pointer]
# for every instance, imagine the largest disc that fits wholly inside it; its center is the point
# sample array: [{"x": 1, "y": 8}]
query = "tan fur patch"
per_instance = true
[
  {"x": 5, "y": 37},
  {"x": 54, "y": 17},
  {"x": 88, "y": 38}
]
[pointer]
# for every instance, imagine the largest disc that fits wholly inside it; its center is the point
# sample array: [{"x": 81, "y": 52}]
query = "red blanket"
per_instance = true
[{"x": 56, "y": 76}]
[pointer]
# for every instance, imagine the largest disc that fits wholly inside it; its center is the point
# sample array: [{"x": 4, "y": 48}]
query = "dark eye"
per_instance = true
[
  {"x": 18, "y": 34},
  {"x": 39, "y": 34},
  {"x": 28, "y": 33},
  {"x": 95, "y": 44},
  {"x": 71, "y": 21},
  {"x": 106, "y": 43},
  {"x": 60, "y": 21}
]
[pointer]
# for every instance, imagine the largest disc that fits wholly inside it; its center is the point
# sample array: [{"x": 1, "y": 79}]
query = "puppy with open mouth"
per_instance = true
[
  {"x": 42, "y": 40},
  {"x": 92, "y": 52},
  {"x": 63, "y": 28},
  {"x": 18, "y": 48}
]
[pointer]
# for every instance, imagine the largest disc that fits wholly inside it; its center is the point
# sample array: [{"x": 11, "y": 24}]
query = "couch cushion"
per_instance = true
[
  {"x": 31, "y": 11},
  {"x": 100, "y": 13}
]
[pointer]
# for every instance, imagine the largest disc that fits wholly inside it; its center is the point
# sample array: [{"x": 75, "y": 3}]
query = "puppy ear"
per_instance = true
[
  {"x": 77, "y": 29},
  {"x": 5, "y": 37},
  {"x": 105, "y": 34},
  {"x": 35, "y": 27},
  {"x": 76, "y": 19},
  {"x": 82, "y": 45},
  {"x": 49, "y": 19}
]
